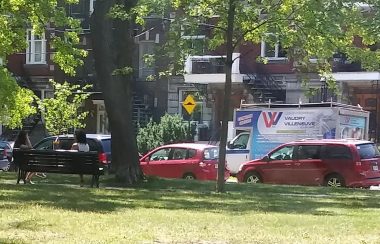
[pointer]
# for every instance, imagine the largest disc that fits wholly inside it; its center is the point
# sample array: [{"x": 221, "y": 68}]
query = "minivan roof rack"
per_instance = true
[{"x": 269, "y": 104}]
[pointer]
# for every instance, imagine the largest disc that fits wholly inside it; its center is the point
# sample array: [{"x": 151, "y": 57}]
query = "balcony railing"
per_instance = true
[
  {"x": 211, "y": 66},
  {"x": 347, "y": 67},
  {"x": 342, "y": 64},
  {"x": 210, "y": 69}
]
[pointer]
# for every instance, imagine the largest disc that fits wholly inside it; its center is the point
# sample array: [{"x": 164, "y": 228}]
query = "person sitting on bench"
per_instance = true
[{"x": 80, "y": 145}]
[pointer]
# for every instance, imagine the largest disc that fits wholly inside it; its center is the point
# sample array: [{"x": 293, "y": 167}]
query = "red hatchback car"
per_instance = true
[
  {"x": 184, "y": 160},
  {"x": 351, "y": 163}
]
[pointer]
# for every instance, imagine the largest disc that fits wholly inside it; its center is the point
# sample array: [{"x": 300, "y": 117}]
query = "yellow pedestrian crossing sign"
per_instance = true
[{"x": 189, "y": 104}]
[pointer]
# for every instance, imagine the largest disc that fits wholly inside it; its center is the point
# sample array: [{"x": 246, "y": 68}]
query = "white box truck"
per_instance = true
[{"x": 260, "y": 128}]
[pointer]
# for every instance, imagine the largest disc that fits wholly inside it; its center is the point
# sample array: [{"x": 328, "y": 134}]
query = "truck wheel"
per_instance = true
[
  {"x": 334, "y": 180},
  {"x": 253, "y": 178},
  {"x": 188, "y": 176}
]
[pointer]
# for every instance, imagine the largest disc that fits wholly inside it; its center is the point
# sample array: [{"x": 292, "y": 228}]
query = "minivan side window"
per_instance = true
[
  {"x": 284, "y": 153},
  {"x": 309, "y": 152},
  {"x": 337, "y": 152}
]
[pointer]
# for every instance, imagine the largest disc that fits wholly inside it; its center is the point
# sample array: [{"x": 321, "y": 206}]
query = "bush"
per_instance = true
[{"x": 171, "y": 129}]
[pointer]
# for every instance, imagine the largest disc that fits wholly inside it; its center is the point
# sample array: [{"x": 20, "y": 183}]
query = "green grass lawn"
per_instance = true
[{"x": 57, "y": 210}]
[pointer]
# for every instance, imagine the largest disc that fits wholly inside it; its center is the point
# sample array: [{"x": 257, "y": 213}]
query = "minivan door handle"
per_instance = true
[
  {"x": 288, "y": 164},
  {"x": 297, "y": 164}
]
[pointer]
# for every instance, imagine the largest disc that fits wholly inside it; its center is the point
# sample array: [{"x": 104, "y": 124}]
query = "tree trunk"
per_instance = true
[
  {"x": 113, "y": 50},
  {"x": 227, "y": 96}
]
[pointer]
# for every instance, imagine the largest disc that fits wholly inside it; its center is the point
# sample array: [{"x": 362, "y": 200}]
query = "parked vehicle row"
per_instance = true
[{"x": 328, "y": 162}]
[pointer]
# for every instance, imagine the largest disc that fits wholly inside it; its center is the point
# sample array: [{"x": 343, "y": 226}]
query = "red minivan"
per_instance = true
[
  {"x": 351, "y": 163},
  {"x": 184, "y": 160}
]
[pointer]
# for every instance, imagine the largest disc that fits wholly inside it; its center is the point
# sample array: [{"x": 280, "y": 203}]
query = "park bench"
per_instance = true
[{"x": 58, "y": 161}]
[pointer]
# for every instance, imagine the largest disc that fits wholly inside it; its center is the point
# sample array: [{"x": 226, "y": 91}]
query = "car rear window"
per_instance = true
[
  {"x": 211, "y": 153},
  {"x": 106, "y": 145},
  {"x": 368, "y": 150}
]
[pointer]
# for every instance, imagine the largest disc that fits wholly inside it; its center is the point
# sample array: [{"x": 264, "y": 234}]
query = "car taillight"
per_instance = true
[{"x": 103, "y": 158}]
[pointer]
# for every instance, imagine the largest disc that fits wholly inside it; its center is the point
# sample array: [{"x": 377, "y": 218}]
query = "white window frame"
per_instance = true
[
  {"x": 92, "y": 4},
  {"x": 30, "y": 51},
  {"x": 276, "y": 51}
]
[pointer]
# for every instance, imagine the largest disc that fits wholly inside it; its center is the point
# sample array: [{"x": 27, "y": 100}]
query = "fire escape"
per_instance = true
[
  {"x": 264, "y": 88},
  {"x": 142, "y": 111}
]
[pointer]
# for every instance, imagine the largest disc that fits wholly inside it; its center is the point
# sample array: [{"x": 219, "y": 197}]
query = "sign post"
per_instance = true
[{"x": 189, "y": 105}]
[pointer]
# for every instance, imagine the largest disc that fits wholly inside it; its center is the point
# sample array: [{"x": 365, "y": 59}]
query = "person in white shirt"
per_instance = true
[{"x": 80, "y": 145}]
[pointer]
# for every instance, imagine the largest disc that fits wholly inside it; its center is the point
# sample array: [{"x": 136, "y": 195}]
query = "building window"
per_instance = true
[
  {"x": 271, "y": 48},
  {"x": 194, "y": 40},
  {"x": 36, "y": 51},
  {"x": 146, "y": 69},
  {"x": 78, "y": 9},
  {"x": 371, "y": 102}
]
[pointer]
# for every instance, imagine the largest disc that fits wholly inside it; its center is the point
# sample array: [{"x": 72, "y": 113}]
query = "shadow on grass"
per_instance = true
[
  {"x": 11, "y": 241},
  {"x": 180, "y": 194}
]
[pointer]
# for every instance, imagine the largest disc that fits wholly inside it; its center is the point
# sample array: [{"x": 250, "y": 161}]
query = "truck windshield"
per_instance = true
[
  {"x": 368, "y": 150},
  {"x": 211, "y": 153}
]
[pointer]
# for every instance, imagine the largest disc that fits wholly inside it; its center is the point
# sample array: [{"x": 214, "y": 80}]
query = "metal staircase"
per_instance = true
[
  {"x": 142, "y": 111},
  {"x": 264, "y": 88}
]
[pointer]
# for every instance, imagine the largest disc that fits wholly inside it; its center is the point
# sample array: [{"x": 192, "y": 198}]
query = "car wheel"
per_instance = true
[
  {"x": 189, "y": 176},
  {"x": 334, "y": 180},
  {"x": 253, "y": 178}
]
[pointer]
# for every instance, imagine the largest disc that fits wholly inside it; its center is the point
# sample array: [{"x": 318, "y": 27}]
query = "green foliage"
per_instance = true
[
  {"x": 306, "y": 29},
  {"x": 123, "y": 71},
  {"x": 63, "y": 112},
  {"x": 16, "y": 16},
  {"x": 171, "y": 129},
  {"x": 16, "y": 103}
]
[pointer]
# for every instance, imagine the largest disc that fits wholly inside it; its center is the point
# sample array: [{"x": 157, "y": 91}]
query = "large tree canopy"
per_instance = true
[{"x": 16, "y": 16}]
